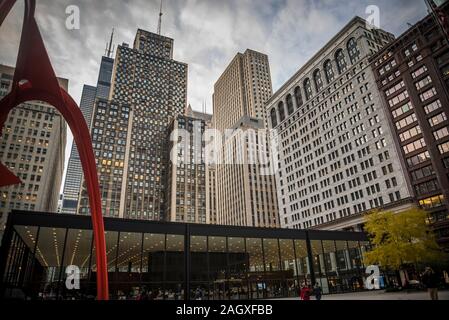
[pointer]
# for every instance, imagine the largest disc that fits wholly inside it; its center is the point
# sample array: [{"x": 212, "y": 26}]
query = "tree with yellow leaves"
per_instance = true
[{"x": 401, "y": 238}]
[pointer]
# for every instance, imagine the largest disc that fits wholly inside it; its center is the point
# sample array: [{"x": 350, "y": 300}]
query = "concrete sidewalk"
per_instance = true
[{"x": 381, "y": 295}]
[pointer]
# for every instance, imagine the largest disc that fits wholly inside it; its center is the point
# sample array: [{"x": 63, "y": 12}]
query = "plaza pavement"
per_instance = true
[{"x": 381, "y": 295}]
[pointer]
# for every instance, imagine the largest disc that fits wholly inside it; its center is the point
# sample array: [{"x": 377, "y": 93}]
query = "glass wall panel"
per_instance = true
[
  {"x": 49, "y": 253},
  {"x": 355, "y": 256},
  {"x": 111, "y": 238},
  {"x": 330, "y": 262},
  {"x": 218, "y": 262},
  {"x": 129, "y": 265},
  {"x": 238, "y": 268},
  {"x": 273, "y": 272},
  {"x": 289, "y": 268},
  {"x": 199, "y": 268},
  {"x": 153, "y": 266},
  {"x": 20, "y": 262},
  {"x": 319, "y": 266},
  {"x": 256, "y": 267},
  {"x": 77, "y": 253},
  {"x": 302, "y": 262},
  {"x": 174, "y": 266}
]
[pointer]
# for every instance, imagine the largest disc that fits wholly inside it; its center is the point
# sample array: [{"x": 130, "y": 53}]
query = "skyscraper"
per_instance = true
[
  {"x": 412, "y": 74},
  {"x": 245, "y": 195},
  {"x": 186, "y": 179},
  {"x": 242, "y": 89},
  {"x": 74, "y": 170},
  {"x": 338, "y": 157},
  {"x": 149, "y": 89},
  {"x": 74, "y": 173},
  {"x": 33, "y": 147}
]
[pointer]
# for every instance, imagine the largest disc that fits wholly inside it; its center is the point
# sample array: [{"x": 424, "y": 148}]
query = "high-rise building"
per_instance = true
[
  {"x": 242, "y": 89},
  {"x": 412, "y": 74},
  {"x": 148, "y": 90},
  {"x": 245, "y": 194},
  {"x": 33, "y": 147},
  {"x": 337, "y": 154},
  {"x": 74, "y": 170},
  {"x": 186, "y": 180},
  {"x": 74, "y": 173}
]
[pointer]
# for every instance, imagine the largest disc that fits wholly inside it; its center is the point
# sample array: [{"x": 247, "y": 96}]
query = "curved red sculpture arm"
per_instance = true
[{"x": 34, "y": 79}]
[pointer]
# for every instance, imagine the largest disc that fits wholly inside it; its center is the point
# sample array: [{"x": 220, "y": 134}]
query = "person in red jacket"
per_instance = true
[{"x": 306, "y": 292}]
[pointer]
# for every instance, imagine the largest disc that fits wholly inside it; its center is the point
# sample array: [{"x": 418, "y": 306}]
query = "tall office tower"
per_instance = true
[
  {"x": 412, "y": 74},
  {"x": 242, "y": 89},
  {"x": 148, "y": 90},
  {"x": 74, "y": 170},
  {"x": 33, "y": 147},
  {"x": 338, "y": 158},
  {"x": 74, "y": 173},
  {"x": 246, "y": 194},
  {"x": 186, "y": 179}
]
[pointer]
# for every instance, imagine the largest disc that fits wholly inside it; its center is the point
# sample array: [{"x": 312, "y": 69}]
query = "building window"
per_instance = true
[
  {"x": 432, "y": 202},
  {"x": 428, "y": 94},
  {"x": 424, "y": 82},
  {"x": 318, "y": 80},
  {"x": 341, "y": 61},
  {"x": 353, "y": 51},
  {"x": 298, "y": 97},
  {"x": 444, "y": 148},
  {"x": 329, "y": 71},
  {"x": 415, "y": 145},
  {"x": 281, "y": 111},
  {"x": 439, "y": 118},
  {"x": 290, "y": 108},
  {"x": 442, "y": 133},
  {"x": 274, "y": 120},
  {"x": 308, "y": 89}
]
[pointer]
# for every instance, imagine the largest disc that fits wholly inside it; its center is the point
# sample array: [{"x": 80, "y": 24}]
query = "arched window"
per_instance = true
[
  {"x": 318, "y": 80},
  {"x": 353, "y": 50},
  {"x": 341, "y": 61},
  {"x": 290, "y": 108},
  {"x": 308, "y": 88},
  {"x": 329, "y": 71},
  {"x": 274, "y": 119},
  {"x": 281, "y": 111},
  {"x": 298, "y": 97}
]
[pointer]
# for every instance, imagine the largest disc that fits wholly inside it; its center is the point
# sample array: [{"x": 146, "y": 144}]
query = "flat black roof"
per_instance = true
[{"x": 60, "y": 220}]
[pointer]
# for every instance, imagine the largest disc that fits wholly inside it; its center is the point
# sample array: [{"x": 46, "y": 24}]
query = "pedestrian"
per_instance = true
[
  {"x": 317, "y": 291},
  {"x": 306, "y": 292},
  {"x": 431, "y": 281}
]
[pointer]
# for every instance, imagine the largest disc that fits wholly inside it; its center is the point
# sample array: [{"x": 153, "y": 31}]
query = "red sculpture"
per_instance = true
[{"x": 34, "y": 79}]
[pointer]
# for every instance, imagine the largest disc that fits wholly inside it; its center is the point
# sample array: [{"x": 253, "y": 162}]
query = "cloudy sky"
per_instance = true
[{"x": 207, "y": 33}]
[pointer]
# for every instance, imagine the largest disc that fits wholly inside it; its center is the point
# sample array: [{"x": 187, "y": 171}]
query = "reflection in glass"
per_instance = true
[
  {"x": 218, "y": 267},
  {"x": 49, "y": 253},
  {"x": 238, "y": 267}
]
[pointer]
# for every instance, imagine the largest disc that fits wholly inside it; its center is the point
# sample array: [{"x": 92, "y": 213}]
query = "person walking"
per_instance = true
[
  {"x": 306, "y": 292},
  {"x": 431, "y": 281},
  {"x": 317, "y": 291}
]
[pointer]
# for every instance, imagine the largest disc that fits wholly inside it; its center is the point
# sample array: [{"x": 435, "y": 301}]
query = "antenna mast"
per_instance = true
[
  {"x": 159, "y": 25},
  {"x": 109, "y": 49}
]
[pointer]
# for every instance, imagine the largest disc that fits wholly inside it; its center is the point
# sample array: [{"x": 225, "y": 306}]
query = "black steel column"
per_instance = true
[
  {"x": 6, "y": 244},
  {"x": 187, "y": 263},
  {"x": 310, "y": 257}
]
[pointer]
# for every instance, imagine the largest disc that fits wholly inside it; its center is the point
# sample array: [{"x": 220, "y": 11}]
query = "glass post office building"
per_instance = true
[{"x": 174, "y": 260}]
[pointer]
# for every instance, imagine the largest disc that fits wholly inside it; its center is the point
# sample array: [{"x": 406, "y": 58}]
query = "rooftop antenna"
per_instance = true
[
  {"x": 109, "y": 49},
  {"x": 159, "y": 25}
]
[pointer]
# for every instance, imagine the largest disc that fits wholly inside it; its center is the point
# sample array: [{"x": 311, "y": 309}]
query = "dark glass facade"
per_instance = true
[{"x": 175, "y": 261}]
